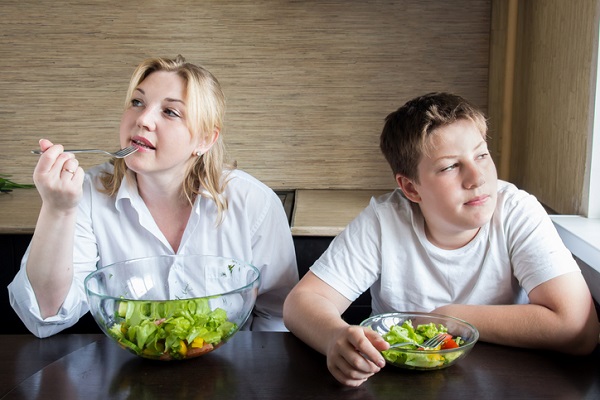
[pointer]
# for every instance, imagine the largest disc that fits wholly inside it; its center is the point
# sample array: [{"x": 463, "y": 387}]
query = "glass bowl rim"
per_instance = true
[
  {"x": 256, "y": 280},
  {"x": 464, "y": 347}
]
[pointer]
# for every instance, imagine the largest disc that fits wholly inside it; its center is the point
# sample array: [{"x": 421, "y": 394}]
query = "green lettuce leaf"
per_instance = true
[{"x": 154, "y": 328}]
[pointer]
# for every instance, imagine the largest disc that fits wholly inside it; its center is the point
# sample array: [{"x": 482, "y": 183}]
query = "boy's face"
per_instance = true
[{"x": 457, "y": 186}]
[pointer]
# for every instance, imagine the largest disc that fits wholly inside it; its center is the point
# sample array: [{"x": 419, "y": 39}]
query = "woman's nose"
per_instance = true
[{"x": 147, "y": 119}]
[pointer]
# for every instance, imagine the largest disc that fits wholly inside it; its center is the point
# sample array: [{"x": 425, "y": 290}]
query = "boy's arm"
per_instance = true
[
  {"x": 312, "y": 312},
  {"x": 560, "y": 316}
]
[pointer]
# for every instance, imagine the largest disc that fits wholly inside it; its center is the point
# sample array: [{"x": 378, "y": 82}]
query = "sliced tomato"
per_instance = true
[{"x": 449, "y": 343}]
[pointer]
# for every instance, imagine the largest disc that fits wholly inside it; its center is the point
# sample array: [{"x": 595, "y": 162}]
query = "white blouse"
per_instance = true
[{"x": 255, "y": 229}]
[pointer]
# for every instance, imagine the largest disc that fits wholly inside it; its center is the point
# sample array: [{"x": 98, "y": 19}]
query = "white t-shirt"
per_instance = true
[
  {"x": 385, "y": 249},
  {"x": 111, "y": 229}
]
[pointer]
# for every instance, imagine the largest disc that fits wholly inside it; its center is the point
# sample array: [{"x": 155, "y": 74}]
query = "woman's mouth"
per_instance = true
[{"x": 142, "y": 143}]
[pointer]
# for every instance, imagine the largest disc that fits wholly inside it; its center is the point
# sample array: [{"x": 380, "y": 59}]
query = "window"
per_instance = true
[
  {"x": 580, "y": 234},
  {"x": 594, "y": 189}
]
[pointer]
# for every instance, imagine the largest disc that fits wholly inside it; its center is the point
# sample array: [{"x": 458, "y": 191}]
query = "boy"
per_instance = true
[{"x": 452, "y": 240}]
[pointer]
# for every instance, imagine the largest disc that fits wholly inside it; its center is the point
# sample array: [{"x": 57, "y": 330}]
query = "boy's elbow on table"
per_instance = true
[{"x": 586, "y": 342}]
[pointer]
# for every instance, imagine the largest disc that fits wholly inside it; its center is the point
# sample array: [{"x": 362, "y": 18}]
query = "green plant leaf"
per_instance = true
[{"x": 7, "y": 185}]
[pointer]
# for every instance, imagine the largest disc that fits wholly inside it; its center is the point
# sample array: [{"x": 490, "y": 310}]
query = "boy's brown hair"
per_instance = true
[{"x": 406, "y": 131}]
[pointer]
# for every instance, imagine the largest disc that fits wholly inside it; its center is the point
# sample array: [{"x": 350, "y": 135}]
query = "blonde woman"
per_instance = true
[{"x": 175, "y": 195}]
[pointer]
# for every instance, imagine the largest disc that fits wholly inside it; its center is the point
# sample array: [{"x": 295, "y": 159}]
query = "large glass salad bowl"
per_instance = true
[{"x": 175, "y": 306}]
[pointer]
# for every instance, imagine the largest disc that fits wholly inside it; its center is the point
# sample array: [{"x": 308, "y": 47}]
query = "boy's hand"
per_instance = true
[
  {"x": 58, "y": 177},
  {"x": 354, "y": 355}
]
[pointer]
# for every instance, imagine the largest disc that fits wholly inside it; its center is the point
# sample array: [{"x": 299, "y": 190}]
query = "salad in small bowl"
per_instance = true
[
  {"x": 416, "y": 328},
  {"x": 172, "y": 307}
]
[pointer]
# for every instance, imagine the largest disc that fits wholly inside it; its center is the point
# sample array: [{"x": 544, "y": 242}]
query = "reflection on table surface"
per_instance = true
[{"x": 269, "y": 365}]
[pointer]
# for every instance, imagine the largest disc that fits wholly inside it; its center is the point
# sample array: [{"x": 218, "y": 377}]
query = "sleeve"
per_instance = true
[
  {"x": 22, "y": 297},
  {"x": 352, "y": 262},
  {"x": 274, "y": 255},
  {"x": 536, "y": 251}
]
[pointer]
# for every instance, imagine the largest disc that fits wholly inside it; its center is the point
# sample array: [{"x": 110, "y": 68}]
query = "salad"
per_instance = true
[
  {"x": 174, "y": 329},
  {"x": 417, "y": 357}
]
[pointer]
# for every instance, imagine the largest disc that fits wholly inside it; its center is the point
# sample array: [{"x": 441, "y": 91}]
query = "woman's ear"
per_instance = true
[
  {"x": 206, "y": 143},
  {"x": 409, "y": 188}
]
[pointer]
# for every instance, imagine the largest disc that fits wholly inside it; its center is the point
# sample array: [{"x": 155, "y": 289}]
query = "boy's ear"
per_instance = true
[{"x": 408, "y": 188}]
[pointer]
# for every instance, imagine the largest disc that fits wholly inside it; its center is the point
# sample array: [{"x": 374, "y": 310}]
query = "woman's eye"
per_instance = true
[
  {"x": 136, "y": 103},
  {"x": 171, "y": 113}
]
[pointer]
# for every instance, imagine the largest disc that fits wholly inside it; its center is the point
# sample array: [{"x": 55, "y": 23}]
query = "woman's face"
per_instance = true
[{"x": 156, "y": 123}]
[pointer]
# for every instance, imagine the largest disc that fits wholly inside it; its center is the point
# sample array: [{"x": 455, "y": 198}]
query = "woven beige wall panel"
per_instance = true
[{"x": 308, "y": 83}]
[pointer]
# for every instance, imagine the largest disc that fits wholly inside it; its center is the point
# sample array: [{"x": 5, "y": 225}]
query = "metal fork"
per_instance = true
[
  {"x": 117, "y": 154},
  {"x": 429, "y": 344}
]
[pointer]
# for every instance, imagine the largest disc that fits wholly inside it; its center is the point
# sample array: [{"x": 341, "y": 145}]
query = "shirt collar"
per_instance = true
[{"x": 127, "y": 191}]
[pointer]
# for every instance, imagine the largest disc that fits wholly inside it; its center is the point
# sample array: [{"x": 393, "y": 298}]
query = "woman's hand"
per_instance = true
[
  {"x": 354, "y": 355},
  {"x": 58, "y": 177}
]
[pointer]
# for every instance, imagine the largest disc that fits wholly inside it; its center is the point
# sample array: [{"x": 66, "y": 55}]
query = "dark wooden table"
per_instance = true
[{"x": 266, "y": 365}]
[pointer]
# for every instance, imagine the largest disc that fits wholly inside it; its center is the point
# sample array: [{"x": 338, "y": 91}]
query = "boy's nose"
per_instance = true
[{"x": 475, "y": 177}]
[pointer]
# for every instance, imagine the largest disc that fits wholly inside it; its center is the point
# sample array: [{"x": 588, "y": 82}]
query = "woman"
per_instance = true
[{"x": 174, "y": 195}]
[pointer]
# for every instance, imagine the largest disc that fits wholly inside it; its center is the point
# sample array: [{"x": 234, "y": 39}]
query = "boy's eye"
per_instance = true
[
  {"x": 450, "y": 167},
  {"x": 484, "y": 155}
]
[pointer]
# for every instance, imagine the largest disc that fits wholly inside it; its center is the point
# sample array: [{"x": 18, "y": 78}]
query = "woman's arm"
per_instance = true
[
  {"x": 59, "y": 181},
  {"x": 274, "y": 254}
]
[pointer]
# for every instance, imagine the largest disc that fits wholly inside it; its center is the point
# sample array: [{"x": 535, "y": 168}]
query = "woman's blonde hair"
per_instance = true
[{"x": 205, "y": 103}]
